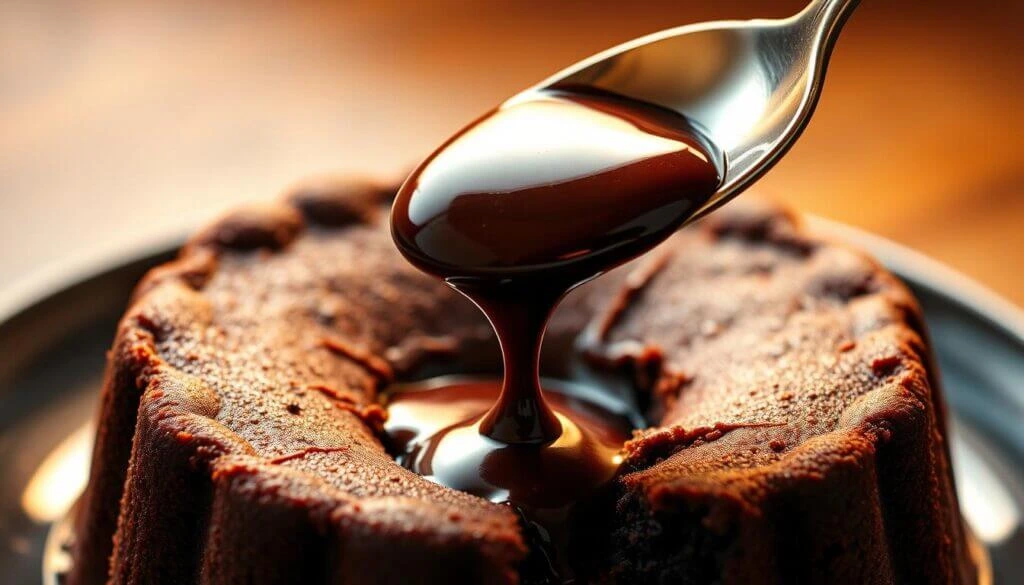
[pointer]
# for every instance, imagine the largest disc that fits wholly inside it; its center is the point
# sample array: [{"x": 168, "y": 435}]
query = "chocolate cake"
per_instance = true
[{"x": 797, "y": 433}]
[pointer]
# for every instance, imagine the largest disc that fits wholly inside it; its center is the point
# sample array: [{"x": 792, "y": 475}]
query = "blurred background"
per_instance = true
[{"x": 125, "y": 125}]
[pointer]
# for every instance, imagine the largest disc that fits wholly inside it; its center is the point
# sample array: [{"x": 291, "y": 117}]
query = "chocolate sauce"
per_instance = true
[
  {"x": 547, "y": 191},
  {"x": 435, "y": 429}
]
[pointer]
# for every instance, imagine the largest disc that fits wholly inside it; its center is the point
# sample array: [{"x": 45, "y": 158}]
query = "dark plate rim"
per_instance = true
[
  {"x": 50, "y": 280},
  {"x": 927, "y": 273}
]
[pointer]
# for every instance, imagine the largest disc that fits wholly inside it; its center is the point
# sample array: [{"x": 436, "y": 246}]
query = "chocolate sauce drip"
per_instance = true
[
  {"x": 547, "y": 191},
  {"x": 435, "y": 429}
]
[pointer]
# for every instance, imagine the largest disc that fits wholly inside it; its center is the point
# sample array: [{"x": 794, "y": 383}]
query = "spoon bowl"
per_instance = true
[{"x": 750, "y": 86}]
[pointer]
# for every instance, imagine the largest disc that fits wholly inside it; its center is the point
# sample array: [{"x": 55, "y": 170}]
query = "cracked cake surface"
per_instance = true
[{"x": 797, "y": 433}]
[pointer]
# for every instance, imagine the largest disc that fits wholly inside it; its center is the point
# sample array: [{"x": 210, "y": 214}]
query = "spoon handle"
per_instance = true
[{"x": 827, "y": 17}]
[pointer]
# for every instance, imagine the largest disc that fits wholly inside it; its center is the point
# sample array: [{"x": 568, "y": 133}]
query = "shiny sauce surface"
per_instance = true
[{"x": 551, "y": 182}]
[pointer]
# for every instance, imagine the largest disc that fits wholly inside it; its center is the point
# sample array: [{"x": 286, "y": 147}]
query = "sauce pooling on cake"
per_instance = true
[
  {"x": 546, "y": 192},
  {"x": 434, "y": 428}
]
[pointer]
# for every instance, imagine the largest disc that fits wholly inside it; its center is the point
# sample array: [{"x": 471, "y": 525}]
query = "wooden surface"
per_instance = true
[{"x": 121, "y": 123}]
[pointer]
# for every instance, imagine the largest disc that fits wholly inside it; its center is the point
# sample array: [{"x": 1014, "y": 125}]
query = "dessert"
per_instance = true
[{"x": 797, "y": 430}]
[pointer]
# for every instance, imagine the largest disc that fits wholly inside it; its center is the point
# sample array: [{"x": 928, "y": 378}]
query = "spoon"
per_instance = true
[
  {"x": 751, "y": 86},
  {"x": 557, "y": 186}
]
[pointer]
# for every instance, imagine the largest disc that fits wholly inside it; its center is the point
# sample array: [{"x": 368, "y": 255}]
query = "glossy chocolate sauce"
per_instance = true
[
  {"x": 548, "y": 191},
  {"x": 436, "y": 428}
]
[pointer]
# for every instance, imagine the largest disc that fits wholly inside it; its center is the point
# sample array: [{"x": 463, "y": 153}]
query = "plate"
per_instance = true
[{"x": 53, "y": 339}]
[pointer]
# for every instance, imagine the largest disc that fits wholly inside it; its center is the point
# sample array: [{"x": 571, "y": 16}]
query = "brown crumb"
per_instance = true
[
  {"x": 304, "y": 452},
  {"x": 373, "y": 364},
  {"x": 885, "y": 365}
]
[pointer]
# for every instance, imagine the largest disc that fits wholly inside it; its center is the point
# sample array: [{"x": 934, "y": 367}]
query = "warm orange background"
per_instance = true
[{"x": 123, "y": 122}]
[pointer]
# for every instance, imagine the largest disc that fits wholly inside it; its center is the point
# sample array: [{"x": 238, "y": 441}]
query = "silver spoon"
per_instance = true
[{"x": 751, "y": 86}]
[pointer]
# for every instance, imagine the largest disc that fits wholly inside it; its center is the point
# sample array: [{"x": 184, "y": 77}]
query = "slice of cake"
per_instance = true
[{"x": 797, "y": 431}]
